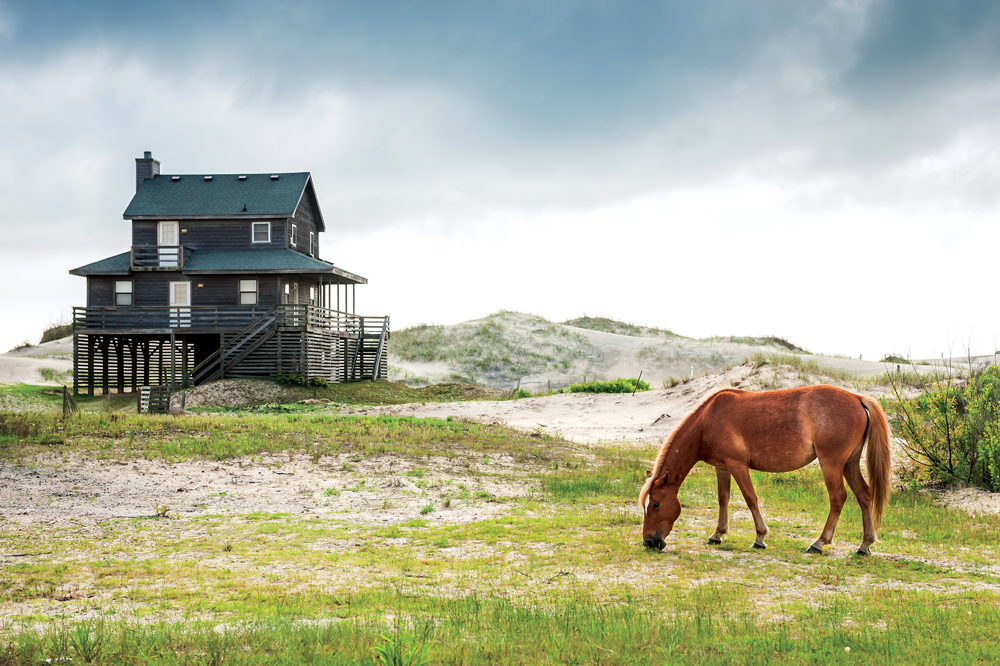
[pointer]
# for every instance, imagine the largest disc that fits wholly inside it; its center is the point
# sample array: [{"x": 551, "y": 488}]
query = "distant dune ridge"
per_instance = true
[{"x": 507, "y": 349}]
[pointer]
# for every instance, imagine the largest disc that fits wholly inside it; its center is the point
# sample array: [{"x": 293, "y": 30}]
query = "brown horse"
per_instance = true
[{"x": 774, "y": 431}]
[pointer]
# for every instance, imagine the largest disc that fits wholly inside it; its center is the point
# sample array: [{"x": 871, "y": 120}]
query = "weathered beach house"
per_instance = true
[{"x": 223, "y": 279}]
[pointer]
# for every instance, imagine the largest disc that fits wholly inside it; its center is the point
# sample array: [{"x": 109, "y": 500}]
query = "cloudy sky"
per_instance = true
[{"x": 824, "y": 171}]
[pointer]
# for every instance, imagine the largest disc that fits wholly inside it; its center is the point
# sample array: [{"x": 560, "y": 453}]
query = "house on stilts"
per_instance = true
[{"x": 223, "y": 279}]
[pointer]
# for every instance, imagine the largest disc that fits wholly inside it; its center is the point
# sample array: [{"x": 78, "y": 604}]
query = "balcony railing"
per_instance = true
[
  {"x": 307, "y": 317},
  {"x": 157, "y": 257}
]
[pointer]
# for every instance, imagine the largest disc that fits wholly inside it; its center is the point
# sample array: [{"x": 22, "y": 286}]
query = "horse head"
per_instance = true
[{"x": 660, "y": 508}]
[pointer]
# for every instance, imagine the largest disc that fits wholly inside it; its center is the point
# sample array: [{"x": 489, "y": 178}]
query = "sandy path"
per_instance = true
[{"x": 587, "y": 418}]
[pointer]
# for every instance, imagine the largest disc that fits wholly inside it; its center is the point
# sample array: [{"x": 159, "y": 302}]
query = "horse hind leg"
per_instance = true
[
  {"x": 724, "y": 479},
  {"x": 741, "y": 473},
  {"x": 852, "y": 471},
  {"x": 833, "y": 475}
]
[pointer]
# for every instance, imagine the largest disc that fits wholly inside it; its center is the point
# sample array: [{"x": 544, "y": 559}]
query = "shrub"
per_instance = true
[
  {"x": 952, "y": 430},
  {"x": 620, "y": 385},
  {"x": 519, "y": 393},
  {"x": 893, "y": 358},
  {"x": 287, "y": 379},
  {"x": 56, "y": 332},
  {"x": 318, "y": 382}
]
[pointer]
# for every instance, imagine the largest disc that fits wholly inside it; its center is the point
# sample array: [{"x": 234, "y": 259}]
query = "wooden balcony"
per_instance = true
[
  {"x": 157, "y": 257},
  {"x": 211, "y": 319}
]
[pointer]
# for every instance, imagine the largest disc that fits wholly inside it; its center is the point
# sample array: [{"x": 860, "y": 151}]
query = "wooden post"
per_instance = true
[
  {"x": 76, "y": 363},
  {"x": 173, "y": 360},
  {"x": 90, "y": 365},
  {"x": 184, "y": 362},
  {"x": 134, "y": 348},
  {"x": 222, "y": 356},
  {"x": 121, "y": 363},
  {"x": 106, "y": 388}
]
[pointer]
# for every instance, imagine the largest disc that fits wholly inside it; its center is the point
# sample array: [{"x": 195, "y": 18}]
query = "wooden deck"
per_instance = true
[{"x": 119, "y": 349}]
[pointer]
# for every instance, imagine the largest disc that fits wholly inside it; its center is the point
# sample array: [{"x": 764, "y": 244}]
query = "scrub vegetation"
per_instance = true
[
  {"x": 502, "y": 347},
  {"x": 554, "y": 573}
]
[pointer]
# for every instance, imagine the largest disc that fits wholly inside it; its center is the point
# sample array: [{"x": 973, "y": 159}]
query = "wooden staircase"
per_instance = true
[
  {"x": 237, "y": 348},
  {"x": 368, "y": 353}
]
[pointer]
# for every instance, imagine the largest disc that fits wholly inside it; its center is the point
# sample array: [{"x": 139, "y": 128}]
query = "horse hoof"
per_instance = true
[
  {"x": 714, "y": 542},
  {"x": 814, "y": 549},
  {"x": 760, "y": 546},
  {"x": 863, "y": 552}
]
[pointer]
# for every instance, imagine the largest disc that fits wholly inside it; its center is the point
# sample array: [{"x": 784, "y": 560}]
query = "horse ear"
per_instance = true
[
  {"x": 662, "y": 481},
  {"x": 649, "y": 473}
]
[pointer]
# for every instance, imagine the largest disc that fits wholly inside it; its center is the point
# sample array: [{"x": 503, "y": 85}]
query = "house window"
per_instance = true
[
  {"x": 261, "y": 232},
  {"x": 292, "y": 235},
  {"x": 248, "y": 292},
  {"x": 312, "y": 295},
  {"x": 123, "y": 292},
  {"x": 312, "y": 243}
]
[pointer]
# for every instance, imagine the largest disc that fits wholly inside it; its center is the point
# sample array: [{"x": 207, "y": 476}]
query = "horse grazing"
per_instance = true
[{"x": 774, "y": 431}]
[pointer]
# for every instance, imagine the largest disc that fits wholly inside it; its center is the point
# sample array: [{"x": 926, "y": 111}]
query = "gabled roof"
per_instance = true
[
  {"x": 222, "y": 195},
  {"x": 233, "y": 260}
]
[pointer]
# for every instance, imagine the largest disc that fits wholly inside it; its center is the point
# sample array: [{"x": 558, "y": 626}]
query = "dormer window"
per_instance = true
[
  {"x": 261, "y": 232},
  {"x": 292, "y": 235}
]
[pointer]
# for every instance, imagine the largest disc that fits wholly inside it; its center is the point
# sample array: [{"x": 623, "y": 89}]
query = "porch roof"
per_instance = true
[{"x": 233, "y": 260}]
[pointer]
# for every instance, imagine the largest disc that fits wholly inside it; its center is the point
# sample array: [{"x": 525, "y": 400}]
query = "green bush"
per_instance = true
[
  {"x": 287, "y": 379},
  {"x": 519, "y": 393},
  {"x": 56, "y": 332},
  {"x": 620, "y": 385},
  {"x": 894, "y": 358},
  {"x": 952, "y": 430}
]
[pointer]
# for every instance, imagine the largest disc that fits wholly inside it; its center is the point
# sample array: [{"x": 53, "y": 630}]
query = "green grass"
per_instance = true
[
  {"x": 619, "y": 385},
  {"x": 555, "y": 575},
  {"x": 226, "y": 436}
]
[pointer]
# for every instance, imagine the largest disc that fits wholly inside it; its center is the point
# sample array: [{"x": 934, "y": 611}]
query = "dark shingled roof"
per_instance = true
[
  {"x": 225, "y": 195},
  {"x": 245, "y": 260}
]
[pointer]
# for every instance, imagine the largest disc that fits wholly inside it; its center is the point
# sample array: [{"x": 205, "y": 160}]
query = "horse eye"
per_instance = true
[{"x": 656, "y": 506}]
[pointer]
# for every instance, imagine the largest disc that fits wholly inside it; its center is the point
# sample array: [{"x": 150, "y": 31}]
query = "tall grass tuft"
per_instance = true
[{"x": 620, "y": 385}]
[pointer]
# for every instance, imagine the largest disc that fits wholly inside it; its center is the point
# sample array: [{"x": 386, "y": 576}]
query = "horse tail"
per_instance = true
[{"x": 879, "y": 458}]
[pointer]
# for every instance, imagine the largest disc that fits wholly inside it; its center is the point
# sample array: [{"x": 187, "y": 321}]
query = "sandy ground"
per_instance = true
[
  {"x": 588, "y": 418},
  {"x": 24, "y": 370},
  {"x": 24, "y": 365},
  {"x": 79, "y": 490}
]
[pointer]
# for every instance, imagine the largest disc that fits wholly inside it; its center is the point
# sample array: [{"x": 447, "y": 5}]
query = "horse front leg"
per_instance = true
[
  {"x": 724, "y": 478},
  {"x": 833, "y": 475},
  {"x": 741, "y": 473}
]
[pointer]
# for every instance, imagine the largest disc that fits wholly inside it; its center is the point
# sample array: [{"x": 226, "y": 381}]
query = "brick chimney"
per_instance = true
[{"x": 145, "y": 167}]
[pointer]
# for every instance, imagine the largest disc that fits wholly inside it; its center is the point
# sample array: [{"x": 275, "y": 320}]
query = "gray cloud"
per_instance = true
[{"x": 446, "y": 116}]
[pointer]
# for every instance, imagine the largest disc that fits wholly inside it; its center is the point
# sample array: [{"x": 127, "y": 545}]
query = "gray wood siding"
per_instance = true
[
  {"x": 304, "y": 220},
  {"x": 151, "y": 289},
  {"x": 143, "y": 232},
  {"x": 101, "y": 290},
  {"x": 198, "y": 234}
]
